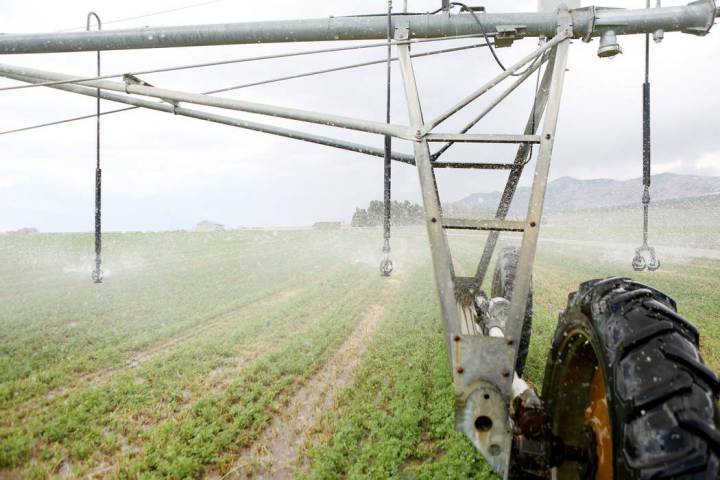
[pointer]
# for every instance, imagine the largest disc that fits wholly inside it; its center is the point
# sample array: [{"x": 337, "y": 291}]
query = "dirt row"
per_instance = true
[{"x": 279, "y": 452}]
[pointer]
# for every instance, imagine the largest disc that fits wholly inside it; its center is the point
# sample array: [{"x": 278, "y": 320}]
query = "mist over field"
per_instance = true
[{"x": 233, "y": 352}]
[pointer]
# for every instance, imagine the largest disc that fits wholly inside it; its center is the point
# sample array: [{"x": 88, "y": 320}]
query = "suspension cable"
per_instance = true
[
  {"x": 151, "y": 14},
  {"x": 647, "y": 172},
  {"x": 237, "y": 60},
  {"x": 386, "y": 266},
  {"x": 66, "y": 120},
  {"x": 97, "y": 274},
  {"x": 640, "y": 262},
  {"x": 345, "y": 67},
  {"x": 253, "y": 84}
]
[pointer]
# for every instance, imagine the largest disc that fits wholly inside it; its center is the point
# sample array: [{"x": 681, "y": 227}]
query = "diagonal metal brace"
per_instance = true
[{"x": 521, "y": 159}]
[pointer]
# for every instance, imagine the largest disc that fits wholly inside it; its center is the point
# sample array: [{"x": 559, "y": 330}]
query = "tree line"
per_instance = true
[{"x": 403, "y": 214}]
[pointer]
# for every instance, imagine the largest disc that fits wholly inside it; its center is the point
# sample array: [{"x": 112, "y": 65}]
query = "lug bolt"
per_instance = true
[{"x": 460, "y": 369}]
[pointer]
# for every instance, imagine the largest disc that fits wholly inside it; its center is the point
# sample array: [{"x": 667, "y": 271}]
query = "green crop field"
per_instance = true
[{"x": 258, "y": 353}]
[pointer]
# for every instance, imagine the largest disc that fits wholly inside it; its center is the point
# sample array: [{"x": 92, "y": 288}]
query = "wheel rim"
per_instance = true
[
  {"x": 580, "y": 411},
  {"x": 597, "y": 416}
]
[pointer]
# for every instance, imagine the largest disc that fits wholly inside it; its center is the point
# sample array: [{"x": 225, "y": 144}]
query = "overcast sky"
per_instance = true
[{"x": 165, "y": 172}]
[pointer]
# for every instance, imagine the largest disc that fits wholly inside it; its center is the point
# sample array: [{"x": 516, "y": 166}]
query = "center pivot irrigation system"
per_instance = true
[{"x": 626, "y": 394}]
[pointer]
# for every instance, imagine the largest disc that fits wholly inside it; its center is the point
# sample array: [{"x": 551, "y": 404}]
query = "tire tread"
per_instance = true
[{"x": 657, "y": 378}]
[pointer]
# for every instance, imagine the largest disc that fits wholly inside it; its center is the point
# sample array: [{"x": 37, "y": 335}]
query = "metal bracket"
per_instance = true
[
  {"x": 591, "y": 24},
  {"x": 702, "y": 31},
  {"x": 482, "y": 396},
  {"x": 507, "y": 34},
  {"x": 402, "y": 30}
]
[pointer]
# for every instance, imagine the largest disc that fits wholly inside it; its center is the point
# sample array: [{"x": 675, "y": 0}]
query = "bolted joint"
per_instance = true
[
  {"x": 402, "y": 32},
  {"x": 566, "y": 31}
]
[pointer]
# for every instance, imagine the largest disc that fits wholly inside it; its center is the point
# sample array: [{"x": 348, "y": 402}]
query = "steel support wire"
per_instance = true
[
  {"x": 495, "y": 81},
  {"x": 174, "y": 96},
  {"x": 215, "y": 118},
  {"x": 241, "y": 60},
  {"x": 250, "y": 84}
]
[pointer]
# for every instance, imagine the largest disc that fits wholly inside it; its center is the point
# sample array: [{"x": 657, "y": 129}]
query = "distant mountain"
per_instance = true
[{"x": 570, "y": 194}]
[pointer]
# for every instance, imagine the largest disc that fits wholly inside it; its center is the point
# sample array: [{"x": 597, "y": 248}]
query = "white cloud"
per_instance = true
[
  {"x": 11, "y": 181},
  {"x": 666, "y": 167},
  {"x": 709, "y": 163}
]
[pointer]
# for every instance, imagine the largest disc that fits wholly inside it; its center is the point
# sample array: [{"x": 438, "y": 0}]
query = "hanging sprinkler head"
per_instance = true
[
  {"x": 97, "y": 274},
  {"x": 386, "y": 265},
  {"x": 609, "y": 46},
  {"x": 645, "y": 259}
]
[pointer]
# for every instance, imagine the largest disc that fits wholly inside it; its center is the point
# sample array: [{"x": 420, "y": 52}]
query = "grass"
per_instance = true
[
  {"x": 397, "y": 421},
  {"x": 230, "y": 325}
]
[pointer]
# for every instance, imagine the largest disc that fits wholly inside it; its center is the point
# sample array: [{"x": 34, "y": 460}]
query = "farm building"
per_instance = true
[
  {"x": 208, "y": 226},
  {"x": 26, "y": 231}
]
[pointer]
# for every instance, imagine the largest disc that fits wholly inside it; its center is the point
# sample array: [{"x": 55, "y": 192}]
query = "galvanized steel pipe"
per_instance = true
[{"x": 695, "y": 18}]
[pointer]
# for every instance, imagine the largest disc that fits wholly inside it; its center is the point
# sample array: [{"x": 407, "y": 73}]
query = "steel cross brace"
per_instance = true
[
  {"x": 482, "y": 366},
  {"x": 518, "y": 166}
]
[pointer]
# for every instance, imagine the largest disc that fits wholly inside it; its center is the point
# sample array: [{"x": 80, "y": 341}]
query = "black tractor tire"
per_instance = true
[
  {"x": 661, "y": 398},
  {"x": 502, "y": 286}
]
